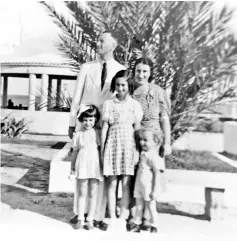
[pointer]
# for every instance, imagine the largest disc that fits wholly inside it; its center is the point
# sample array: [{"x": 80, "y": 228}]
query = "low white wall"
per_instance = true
[
  {"x": 200, "y": 141},
  {"x": 230, "y": 137},
  {"x": 42, "y": 122}
]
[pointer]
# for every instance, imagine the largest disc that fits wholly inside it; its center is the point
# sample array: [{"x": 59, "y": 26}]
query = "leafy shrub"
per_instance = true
[
  {"x": 12, "y": 128},
  {"x": 209, "y": 125}
]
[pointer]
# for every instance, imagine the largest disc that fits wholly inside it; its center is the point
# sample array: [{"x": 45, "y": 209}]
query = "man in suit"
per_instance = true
[{"x": 93, "y": 88}]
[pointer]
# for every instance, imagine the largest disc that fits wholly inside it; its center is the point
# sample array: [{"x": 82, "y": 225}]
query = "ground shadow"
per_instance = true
[
  {"x": 172, "y": 209},
  {"x": 59, "y": 145},
  {"x": 52, "y": 144},
  {"x": 38, "y": 174},
  {"x": 57, "y": 206}
]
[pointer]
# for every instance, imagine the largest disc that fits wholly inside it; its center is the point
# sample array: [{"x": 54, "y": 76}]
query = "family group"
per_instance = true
[{"x": 120, "y": 131}]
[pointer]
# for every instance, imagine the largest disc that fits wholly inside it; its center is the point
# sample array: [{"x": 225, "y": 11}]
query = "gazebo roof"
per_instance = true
[{"x": 38, "y": 60}]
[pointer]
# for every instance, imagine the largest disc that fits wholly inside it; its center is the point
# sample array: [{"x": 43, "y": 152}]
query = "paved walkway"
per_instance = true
[
  {"x": 171, "y": 227},
  {"x": 29, "y": 225}
]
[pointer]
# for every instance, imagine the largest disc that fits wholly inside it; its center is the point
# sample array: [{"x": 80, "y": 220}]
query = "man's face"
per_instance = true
[{"x": 105, "y": 44}]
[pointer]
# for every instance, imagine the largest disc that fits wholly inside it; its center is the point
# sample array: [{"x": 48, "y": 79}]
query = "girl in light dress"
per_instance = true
[
  {"x": 86, "y": 166},
  {"x": 121, "y": 117},
  {"x": 147, "y": 184}
]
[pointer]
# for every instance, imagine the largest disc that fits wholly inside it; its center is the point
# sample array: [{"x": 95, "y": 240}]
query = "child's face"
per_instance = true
[
  {"x": 88, "y": 122},
  {"x": 146, "y": 141},
  {"x": 121, "y": 86}
]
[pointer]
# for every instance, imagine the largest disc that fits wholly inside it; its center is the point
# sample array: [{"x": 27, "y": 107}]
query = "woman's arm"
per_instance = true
[
  {"x": 165, "y": 120},
  {"x": 165, "y": 125}
]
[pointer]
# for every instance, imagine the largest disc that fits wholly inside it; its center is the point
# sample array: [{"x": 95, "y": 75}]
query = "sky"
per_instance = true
[{"x": 26, "y": 28}]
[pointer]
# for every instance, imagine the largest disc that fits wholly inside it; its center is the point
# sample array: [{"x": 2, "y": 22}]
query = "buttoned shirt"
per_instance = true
[{"x": 88, "y": 88}]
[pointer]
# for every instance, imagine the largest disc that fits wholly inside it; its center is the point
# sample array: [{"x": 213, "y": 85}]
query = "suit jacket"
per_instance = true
[{"x": 88, "y": 88}]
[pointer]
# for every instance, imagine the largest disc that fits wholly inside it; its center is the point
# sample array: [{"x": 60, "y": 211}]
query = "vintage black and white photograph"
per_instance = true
[{"x": 118, "y": 120}]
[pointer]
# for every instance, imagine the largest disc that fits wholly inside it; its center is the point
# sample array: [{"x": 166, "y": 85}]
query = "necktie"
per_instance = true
[{"x": 103, "y": 75}]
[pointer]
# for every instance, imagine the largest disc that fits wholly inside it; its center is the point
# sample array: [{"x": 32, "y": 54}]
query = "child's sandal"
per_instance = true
[
  {"x": 96, "y": 224},
  {"x": 153, "y": 230},
  {"x": 89, "y": 226},
  {"x": 134, "y": 228},
  {"x": 73, "y": 220},
  {"x": 79, "y": 225},
  {"x": 103, "y": 226},
  {"x": 146, "y": 228}
]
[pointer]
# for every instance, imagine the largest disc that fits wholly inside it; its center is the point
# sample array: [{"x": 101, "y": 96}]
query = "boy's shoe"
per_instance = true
[
  {"x": 153, "y": 230},
  {"x": 134, "y": 228},
  {"x": 97, "y": 223},
  {"x": 89, "y": 226},
  {"x": 129, "y": 225},
  {"x": 73, "y": 220},
  {"x": 103, "y": 226},
  {"x": 145, "y": 227}
]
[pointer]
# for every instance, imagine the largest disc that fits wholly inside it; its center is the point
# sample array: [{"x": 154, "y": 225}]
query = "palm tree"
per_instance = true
[{"x": 194, "y": 54}]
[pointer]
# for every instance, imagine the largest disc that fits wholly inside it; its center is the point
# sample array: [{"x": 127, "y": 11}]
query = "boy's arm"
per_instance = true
[
  {"x": 157, "y": 165},
  {"x": 155, "y": 184},
  {"x": 104, "y": 131}
]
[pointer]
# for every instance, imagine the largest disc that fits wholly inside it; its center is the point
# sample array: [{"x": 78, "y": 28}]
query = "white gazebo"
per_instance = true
[
  {"x": 37, "y": 69},
  {"x": 34, "y": 53}
]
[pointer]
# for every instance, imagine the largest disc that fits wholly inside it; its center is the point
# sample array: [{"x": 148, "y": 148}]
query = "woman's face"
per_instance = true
[{"x": 142, "y": 74}]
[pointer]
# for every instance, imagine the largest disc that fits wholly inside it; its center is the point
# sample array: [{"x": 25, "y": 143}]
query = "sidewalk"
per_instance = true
[
  {"x": 171, "y": 227},
  {"x": 186, "y": 188}
]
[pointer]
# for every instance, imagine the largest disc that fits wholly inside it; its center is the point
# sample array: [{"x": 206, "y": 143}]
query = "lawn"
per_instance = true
[
  {"x": 229, "y": 155},
  {"x": 198, "y": 161}
]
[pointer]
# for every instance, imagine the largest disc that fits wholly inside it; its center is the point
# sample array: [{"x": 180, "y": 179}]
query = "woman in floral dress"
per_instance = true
[{"x": 155, "y": 105}]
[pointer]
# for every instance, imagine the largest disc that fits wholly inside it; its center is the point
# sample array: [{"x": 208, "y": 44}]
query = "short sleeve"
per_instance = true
[
  {"x": 75, "y": 144},
  {"x": 138, "y": 113},
  {"x": 158, "y": 163},
  {"x": 105, "y": 111},
  {"x": 164, "y": 104}
]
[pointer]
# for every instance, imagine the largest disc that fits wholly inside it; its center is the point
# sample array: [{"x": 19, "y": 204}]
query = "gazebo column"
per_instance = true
[
  {"x": 44, "y": 92},
  {"x": 32, "y": 92},
  {"x": 59, "y": 91},
  {"x": 50, "y": 95},
  {"x": 5, "y": 88}
]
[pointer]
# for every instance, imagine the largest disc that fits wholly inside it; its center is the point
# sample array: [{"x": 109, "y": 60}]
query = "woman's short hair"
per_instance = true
[
  {"x": 122, "y": 74},
  {"x": 158, "y": 137},
  {"x": 145, "y": 61},
  {"x": 91, "y": 112}
]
